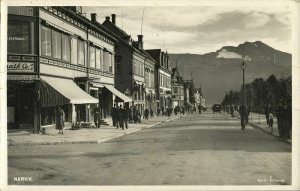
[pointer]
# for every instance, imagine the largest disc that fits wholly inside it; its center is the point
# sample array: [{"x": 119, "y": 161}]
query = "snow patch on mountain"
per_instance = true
[{"x": 226, "y": 54}]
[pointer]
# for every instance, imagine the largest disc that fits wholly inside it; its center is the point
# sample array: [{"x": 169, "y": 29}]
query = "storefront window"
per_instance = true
[
  {"x": 46, "y": 41},
  {"x": 56, "y": 44},
  {"x": 92, "y": 57},
  {"x": 19, "y": 36},
  {"x": 81, "y": 52},
  {"x": 66, "y": 52}
]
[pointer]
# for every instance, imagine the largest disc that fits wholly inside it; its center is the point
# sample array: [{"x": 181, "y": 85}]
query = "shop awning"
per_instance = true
[
  {"x": 118, "y": 93},
  {"x": 66, "y": 92}
]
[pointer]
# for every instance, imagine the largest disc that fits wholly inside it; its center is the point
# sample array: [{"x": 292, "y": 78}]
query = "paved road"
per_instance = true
[{"x": 196, "y": 150}]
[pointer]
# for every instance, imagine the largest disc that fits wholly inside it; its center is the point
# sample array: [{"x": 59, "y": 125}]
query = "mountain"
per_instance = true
[{"x": 220, "y": 71}]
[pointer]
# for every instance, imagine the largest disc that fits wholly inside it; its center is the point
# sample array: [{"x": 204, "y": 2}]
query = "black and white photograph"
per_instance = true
[{"x": 150, "y": 95}]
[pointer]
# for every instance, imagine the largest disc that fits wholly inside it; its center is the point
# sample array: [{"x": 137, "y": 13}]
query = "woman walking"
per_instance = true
[{"x": 60, "y": 120}]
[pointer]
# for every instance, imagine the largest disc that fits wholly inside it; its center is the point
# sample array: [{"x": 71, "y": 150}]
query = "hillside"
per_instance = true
[{"x": 220, "y": 71}]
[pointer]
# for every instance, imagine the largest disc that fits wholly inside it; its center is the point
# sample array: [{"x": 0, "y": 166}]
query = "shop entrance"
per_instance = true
[{"x": 20, "y": 104}]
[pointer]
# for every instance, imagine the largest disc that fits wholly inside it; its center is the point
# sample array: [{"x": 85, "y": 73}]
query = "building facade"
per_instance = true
[
  {"x": 134, "y": 67},
  {"x": 60, "y": 59},
  {"x": 177, "y": 88},
  {"x": 162, "y": 77}
]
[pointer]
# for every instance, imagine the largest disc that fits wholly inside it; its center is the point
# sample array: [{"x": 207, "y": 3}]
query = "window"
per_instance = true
[
  {"x": 20, "y": 36},
  {"x": 97, "y": 58},
  {"x": 66, "y": 52},
  {"x": 74, "y": 51},
  {"x": 92, "y": 57},
  {"x": 101, "y": 60},
  {"x": 147, "y": 79},
  {"x": 110, "y": 69},
  {"x": 118, "y": 64},
  {"x": 56, "y": 44},
  {"x": 46, "y": 41},
  {"x": 81, "y": 51},
  {"x": 175, "y": 90}
]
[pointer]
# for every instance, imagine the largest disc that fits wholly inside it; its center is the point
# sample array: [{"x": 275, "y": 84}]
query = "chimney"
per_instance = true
[
  {"x": 113, "y": 18},
  {"x": 140, "y": 40},
  {"x": 107, "y": 18},
  {"x": 93, "y": 17}
]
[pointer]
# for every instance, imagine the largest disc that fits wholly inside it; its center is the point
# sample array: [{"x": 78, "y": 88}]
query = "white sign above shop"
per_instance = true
[{"x": 20, "y": 67}]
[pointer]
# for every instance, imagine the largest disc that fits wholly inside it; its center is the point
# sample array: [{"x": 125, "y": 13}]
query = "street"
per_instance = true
[{"x": 206, "y": 149}]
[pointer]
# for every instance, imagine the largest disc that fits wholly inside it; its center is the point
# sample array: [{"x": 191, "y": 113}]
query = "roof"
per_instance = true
[{"x": 120, "y": 34}]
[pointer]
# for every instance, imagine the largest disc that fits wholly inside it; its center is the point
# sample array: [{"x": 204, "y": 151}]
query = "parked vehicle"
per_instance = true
[{"x": 216, "y": 108}]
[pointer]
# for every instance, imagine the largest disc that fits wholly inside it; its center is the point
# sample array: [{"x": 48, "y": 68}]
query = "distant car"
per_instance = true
[{"x": 216, "y": 108}]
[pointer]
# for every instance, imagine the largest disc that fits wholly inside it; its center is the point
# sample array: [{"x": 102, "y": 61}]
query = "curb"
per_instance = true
[{"x": 88, "y": 142}]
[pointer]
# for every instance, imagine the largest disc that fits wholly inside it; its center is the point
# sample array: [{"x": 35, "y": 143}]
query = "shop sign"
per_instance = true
[{"x": 20, "y": 66}]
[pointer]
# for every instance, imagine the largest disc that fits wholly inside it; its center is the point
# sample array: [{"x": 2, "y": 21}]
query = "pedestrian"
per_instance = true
[
  {"x": 280, "y": 119},
  {"x": 60, "y": 120},
  {"x": 146, "y": 114},
  {"x": 97, "y": 117},
  {"x": 231, "y": 111},
  {"x": 120, "y": 117},
  {"x": 113, "y": 114},
  {"x": 199, "y": 108},
  {"x": 158, "y": 111},
  {"x": 130, "y": 114},
  {"x": 151, "y": 113},
  {"x": 271, "y": 121},
  {"x": 169, "y": 110},
  {"x": 134, "y": 114},
  {"x": 125, "y": 117},
  {"x": 243, "y": 113},
  {"x": 138, "y": 116}
]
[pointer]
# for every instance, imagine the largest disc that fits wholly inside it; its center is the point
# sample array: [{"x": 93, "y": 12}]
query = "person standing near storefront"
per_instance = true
[
  {"x": 125, "y": 116},
  {"x": 146, "y": 114},
  {"x": 60, "y": 120},
  {"x": 97, "y": 117},
  {"x": 113, "y": 115},
  {"x": 121, "y": 117}
]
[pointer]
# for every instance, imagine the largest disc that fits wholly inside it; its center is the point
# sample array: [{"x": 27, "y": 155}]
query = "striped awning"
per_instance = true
[{"x": 59, "y": 91}]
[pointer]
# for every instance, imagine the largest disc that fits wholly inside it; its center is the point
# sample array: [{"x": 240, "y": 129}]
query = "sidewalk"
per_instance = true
[
  {"x": 83, "y": 135},
  {"x": 259, "y": 121}
]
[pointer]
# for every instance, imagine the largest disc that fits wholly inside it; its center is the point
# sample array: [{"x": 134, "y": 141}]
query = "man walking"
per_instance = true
[
  {"x": 243, "y": 114},
  {"x": 113, "y": 115},
  {"x": 125, "y": 117},
  {"x": 121, "y": 117},
  {"x": 199, "y": 108}
]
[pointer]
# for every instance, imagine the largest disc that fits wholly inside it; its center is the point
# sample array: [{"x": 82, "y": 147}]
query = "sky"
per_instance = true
[{"x": 202, "y": 29}]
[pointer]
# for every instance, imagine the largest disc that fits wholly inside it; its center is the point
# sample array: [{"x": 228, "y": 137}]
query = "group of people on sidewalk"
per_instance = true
[{"x": 283, "y": 113}]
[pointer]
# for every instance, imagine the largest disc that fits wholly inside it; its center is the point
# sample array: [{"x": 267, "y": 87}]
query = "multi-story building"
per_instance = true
[
  {"x": 134, "y": 67},
  {"x": 189, "y": 96},
  {"x": 177, "y": 88},
  {"x": 162, "y": 78},
  {"x": 57, "y": 58}
]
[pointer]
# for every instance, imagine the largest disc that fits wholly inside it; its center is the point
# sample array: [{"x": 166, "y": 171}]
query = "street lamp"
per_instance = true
[{"x": 244, "y": 65}]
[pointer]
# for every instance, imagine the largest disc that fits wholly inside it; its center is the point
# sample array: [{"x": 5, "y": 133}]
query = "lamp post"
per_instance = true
[{"x": 244, "y": 96}]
